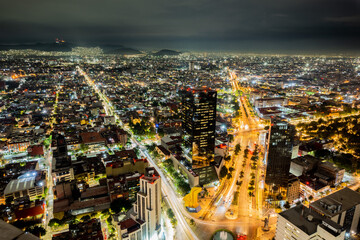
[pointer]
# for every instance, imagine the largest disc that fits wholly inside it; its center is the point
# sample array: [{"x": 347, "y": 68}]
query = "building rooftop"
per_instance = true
[
  {"x": 308, "y": 221},
  {"x": 337, "y": 202},
  {"x": 20, "y": 184},
  {"x": 129, "y": 224},
  {"x": 91, "y": 137},
  {"x": 151, "y": 175},
  {"x": 306, "y": 160},
  {"x": 30, "y": 212},
  {"x": 10, "y": 232}
]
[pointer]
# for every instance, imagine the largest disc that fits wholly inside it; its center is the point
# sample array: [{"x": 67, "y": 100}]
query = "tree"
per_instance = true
[
  {"x": 120, "y": 204},
  {"x": 105, "y": 212},
  {"x": 36, "y": 230},
  {"x": 84, "y": 147},
  {"x": 170, "y": 213},
  {"x": 237, "y": 149},
  {"x": 246, "y": 152},
  {"x": 68, "y": 219},
  {"x": 151, "y": 147},
  {"x": 183, "y": 186},
  {"x": 173, "y": 222},
  {"x": 322, "y": 153},
  {"x": 54, "y": 222},
  {"x": 109, "y": 220},
  {"x": 24, "y": 224},
  {"x": 192, "y": 222},
  {"x": 223, "y": 172},
  {"x": 231, "y": 137},
  {"x": 85, "y": 218}
]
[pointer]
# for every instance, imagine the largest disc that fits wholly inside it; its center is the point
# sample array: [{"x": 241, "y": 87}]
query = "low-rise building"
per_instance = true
[
  {"x": 303, "y": 164},
  {"x": 120, "y": 167},
  {"x": 168, "y": 142},
  {"x": 269, "y": 102},
  {"x": 342, "y": 207},
  {"x": 89, "y": 230},
  {"x": 293, "y": 189},
  {"x": 30, "y": 185},
  {"x": 301, "y": 223},
  {"x": 335, "y": 173}
]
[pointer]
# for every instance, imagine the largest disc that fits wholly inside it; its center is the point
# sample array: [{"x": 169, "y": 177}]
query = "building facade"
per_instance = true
[
  {"x": 145, "y": 224},
  {"x": 300, "y": 223},
  {"x": 281, "y": 138},
  {"x": 342, "y": 207},
  {"x": 62, "y": 169},
  {"x": 198, "y": 131}
]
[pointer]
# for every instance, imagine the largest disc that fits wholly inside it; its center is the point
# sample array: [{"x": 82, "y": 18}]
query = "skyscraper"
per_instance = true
[
  {"x": 145, "y": 222},
  {"x": 198, "y": 126},
  {"x": 62, "y": 169},
  {"x": 279, "y": 152},
  {"x": 148, "y": 204}
]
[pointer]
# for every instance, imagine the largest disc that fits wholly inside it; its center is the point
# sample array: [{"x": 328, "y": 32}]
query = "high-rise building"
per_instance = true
[
  {"x": 62, "y": 169},
  {"x": 198, "y": 126},
  {"x": 147, "y": 207},
  {"x": 281, "y": 138}
]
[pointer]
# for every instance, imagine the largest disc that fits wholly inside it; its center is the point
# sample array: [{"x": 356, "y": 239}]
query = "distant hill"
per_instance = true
[
  {"x": 166, "y": 52},
  {"x": 48, "y": 47},
  {"x": 123, "y": 51}
]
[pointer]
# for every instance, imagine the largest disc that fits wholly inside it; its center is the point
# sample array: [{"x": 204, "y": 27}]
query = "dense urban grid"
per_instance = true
[{"x": 170, "y": 145}]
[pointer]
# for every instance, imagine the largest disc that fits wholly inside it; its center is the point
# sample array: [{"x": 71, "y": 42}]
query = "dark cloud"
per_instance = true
[{"x": 187, "y": 24}]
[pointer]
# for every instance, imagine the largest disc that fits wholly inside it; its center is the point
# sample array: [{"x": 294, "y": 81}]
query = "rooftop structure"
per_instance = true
[
  {"x": 342, "y": 207},
  {"x": 300, "y": 223}
]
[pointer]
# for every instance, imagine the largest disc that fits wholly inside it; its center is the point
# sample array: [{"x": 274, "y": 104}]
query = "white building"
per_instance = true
[
  {"x": 301, "y": 223},
  {"x": 28, "y": 185},
  {"x": 146, "y": 221}
]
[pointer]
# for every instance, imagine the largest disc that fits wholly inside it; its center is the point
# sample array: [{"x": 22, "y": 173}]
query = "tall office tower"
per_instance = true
[
  {"x": 198, "y": 126},
  {"x": 279, "y": 153},
  {"x": 148, "y": 204}
]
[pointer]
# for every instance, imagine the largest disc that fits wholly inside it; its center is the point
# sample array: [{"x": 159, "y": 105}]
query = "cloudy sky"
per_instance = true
[{"x": 231, "y": 25}]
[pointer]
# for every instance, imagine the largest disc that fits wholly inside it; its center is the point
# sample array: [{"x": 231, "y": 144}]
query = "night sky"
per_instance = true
[{"x": 230, "y": 25}]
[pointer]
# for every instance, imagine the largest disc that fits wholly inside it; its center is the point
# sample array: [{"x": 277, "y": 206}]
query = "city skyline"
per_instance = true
[
  {"x": 237, "y": 26},
  {"x": 180, "y": 120}
]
